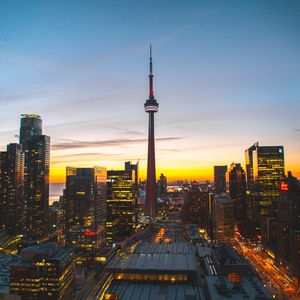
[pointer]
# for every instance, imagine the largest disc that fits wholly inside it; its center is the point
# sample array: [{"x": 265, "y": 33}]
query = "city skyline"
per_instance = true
[{"x": 227, "y": 77}]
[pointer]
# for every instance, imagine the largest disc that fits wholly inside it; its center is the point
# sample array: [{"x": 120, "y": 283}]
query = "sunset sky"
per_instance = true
[{"x": 226, "y": 75}]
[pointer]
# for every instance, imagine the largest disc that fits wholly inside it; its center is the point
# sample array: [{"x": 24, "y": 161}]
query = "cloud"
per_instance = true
[
  {"x": 169, "y": 150},
  {"x": 296, "y": 129},
  {"x": 128, "y": 131},
  {"x": 173, "y": 36},
  {"x": 73, "y": 144},
  {"x": 13, "y": 98},
  {"x": 24, "y": 59},
  {"x": 81, "y": 157},
  {"x": 85, "y": 154}
]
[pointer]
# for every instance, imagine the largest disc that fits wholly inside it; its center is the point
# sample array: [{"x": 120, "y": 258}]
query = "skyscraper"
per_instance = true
[
  {"x": 31, "y": 125},
  {"x": 36, "y": 186},
  {"x": 223, "y": 219},
  {"x": 151, "y": 107},
  {"x": 36, "y": 148},
  {"x": 134, "y": 169},
  {"x": 85, "y": 211},
  {"x": 198, "y": 208},
  {"x": 162, "y": 184},
  {"x": 265, "y": 171},
  {"x": 288, "y": 226},
  {"x": 11, "y": 189},
  {"x": 121, "y": 203},
  {"x": 220, "y": 179},
  {"x": 237, "y": 191},
  {"x": 249, "y": 165}
]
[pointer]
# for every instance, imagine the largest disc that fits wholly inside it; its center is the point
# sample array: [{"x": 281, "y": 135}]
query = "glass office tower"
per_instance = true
[
  {"x": 85, "y": 210},
  {"x": 121, "y": 203},
  {"x": 11, "y": 189},
  {"x": 265, "y": 171},
  {"x": 31, "y": 125},
  {"x": 36, "y": 187},
  {"x": 220, "y": 179}
]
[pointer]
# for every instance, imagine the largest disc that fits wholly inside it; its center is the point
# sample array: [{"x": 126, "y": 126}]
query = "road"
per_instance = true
[{"x": 276, "y": 280}]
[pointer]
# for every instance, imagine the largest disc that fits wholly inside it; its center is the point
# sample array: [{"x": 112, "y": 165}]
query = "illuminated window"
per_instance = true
[{"x": 234, "y": 277}]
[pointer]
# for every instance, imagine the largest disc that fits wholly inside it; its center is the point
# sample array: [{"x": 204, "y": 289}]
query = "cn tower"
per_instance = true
[{"x": 151, "y": 107}]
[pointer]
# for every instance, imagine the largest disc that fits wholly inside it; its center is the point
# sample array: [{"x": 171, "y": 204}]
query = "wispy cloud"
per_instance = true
[
  {"x": 13, "y": 98},
  {"x": 169, "y": 150},
  {"x": 82, "y": 157},
  {"x": 73, "y": 144},
  {"x": 22, "y": 58},
  {"x": 172, "y": 36}
]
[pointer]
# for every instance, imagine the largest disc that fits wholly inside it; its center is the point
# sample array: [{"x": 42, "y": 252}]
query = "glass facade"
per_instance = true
[
  {"x": 44, "y": 274},
  {"x": 237, "y": 191},
  {"x": 265, "y": 171},
  {"x": 223, "y": 219},
  {"x": 121, "y": 203},
  {"x": 220, "y": 179},
  {"x": 36, "y": 187},
  {"x": 85, "y": 210},
  {"x": 31, "y": 125},
  {"x": 11, "y": 189}
]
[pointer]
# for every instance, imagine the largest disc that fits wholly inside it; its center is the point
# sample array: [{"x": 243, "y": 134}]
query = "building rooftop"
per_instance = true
[
  {"x": 225, "y": 254},
  {"x": 223, "y": 198},
  {"x": 154, "y": 262},
  {"x": 6, "y": 261},
  {"x": 174, "y": 248},
  {"x": 39, "y": 250},
  {"x": 157, "y": 257},
  {"x": 204, "y": 250},
  {"x": 249, "y": 287},
  {"x": 127, "y": 290}
]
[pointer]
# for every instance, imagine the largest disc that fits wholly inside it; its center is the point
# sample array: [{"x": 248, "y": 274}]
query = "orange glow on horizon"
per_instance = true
[
  {"x": 58, "y": 175},
  {"x": 174, "y": 166}
]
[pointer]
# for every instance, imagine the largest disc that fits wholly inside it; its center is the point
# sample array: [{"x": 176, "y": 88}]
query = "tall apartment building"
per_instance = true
[
  {"x": 85, "y": 210},
  {"x": 220, "y": 179},
  {"x": 121, "y": 203},
  {"x": 36, "y": 148},
  {"x": 223, "y": 219},
  {"x": 11, "y": 189},
  {"x": 265, "y": 171}
]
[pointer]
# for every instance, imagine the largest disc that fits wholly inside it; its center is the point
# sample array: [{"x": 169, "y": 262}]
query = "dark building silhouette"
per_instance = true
[
  {"x": 288, "y": 226},
  {"x": 223, "y": 219},
  {"x": 237, "y": 191},
  {"x": 121, "y": 203},
  {"x": 162, "y": 184},
  {"x": 44, "y": 271},
  {"x": 249, "y": 166},
  {"x": 11, "y": 189},
  {"x": 220, "y": 179},
  {"x": 85, "y": 210},
  {"x": 151, "y": 107},
  {"x": 198, "y": 208}
]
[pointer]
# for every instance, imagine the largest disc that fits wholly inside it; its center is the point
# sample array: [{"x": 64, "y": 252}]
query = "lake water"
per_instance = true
[{"x": 55, "y": 191}]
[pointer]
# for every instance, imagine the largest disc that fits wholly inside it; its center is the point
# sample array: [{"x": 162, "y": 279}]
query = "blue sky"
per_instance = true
[{"x": 227, "y": 74}]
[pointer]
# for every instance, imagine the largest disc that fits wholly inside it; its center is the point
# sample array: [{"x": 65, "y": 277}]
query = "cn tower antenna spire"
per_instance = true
[
  {"x": 151, "y": 93},
  {"x": 151, "y": 107}
]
